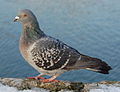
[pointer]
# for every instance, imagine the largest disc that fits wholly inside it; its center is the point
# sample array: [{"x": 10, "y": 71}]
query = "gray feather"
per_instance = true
[{"x": 50, "y": 54}]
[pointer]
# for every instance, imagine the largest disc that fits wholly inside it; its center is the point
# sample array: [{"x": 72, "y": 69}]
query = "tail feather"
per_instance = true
[
  {"x": 92, "y": 64},
  {"x": 96, "y": 65},
  {"x": 100, "y": 67}
]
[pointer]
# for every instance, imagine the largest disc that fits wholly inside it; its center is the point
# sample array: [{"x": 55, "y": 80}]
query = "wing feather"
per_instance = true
[{"x": 51, "y": 54}]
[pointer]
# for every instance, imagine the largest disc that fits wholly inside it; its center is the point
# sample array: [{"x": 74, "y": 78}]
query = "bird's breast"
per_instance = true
[{"x": 23, "y": 48}]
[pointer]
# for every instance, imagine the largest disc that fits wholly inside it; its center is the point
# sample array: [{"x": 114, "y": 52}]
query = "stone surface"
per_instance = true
[
  {"x": 62, "y": 86},
  {"x": 22, "y": 84}
]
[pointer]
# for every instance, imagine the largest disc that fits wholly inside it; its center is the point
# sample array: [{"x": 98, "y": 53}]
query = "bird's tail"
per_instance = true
[
  {"x": 96, "y": 65},
  {"x": 93, "y": 64}
]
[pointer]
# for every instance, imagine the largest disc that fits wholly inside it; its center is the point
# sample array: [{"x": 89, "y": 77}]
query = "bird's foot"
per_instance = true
[
  {"x": 49, "y": 80},
  {"x": 36, "y": 78}
]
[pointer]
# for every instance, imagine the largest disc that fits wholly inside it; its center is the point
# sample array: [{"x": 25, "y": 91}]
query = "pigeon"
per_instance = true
[{"x": 50, "y": 56}]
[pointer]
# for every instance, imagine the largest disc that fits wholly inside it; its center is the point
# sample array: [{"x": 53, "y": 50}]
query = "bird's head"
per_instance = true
[{"x": 25, "y": 16}]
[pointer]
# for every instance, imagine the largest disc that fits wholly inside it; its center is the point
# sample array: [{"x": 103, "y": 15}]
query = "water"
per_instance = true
[{"x": 90, "y": 26}]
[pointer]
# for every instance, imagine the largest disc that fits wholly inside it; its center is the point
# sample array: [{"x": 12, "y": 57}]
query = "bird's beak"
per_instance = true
[{"x": 16, "y": 18}]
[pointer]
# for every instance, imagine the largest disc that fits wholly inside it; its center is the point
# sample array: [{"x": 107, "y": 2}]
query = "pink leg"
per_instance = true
[
  {"x": 37, "y": 77},
  {"x": 50, "y": 79}
]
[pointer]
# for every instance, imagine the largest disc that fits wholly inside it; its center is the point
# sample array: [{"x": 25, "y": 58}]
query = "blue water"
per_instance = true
[{"x": 90, "y": 26}]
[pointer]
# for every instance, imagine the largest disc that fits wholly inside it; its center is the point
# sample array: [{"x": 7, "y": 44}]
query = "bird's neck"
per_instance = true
[{"x": 31, "y": 33}]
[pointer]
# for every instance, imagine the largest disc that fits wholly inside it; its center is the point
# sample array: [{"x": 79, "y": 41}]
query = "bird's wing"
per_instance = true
[{"x": 50, "y": 54}]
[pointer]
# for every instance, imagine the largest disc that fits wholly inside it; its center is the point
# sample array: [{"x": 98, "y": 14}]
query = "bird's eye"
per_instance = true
[{"x": 25, "y": 15}]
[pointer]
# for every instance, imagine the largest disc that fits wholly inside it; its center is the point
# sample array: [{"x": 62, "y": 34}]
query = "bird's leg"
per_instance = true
[
  {"x": 50, "y": 79},
  {"x": 37, "y": 77}
]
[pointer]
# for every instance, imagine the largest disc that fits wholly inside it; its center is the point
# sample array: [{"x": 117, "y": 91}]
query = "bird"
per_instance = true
[{"x": 50, "y": 56}]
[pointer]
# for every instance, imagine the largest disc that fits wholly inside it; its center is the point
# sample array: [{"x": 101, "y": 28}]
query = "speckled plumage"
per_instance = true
[{"x": 51, "y": 56}]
